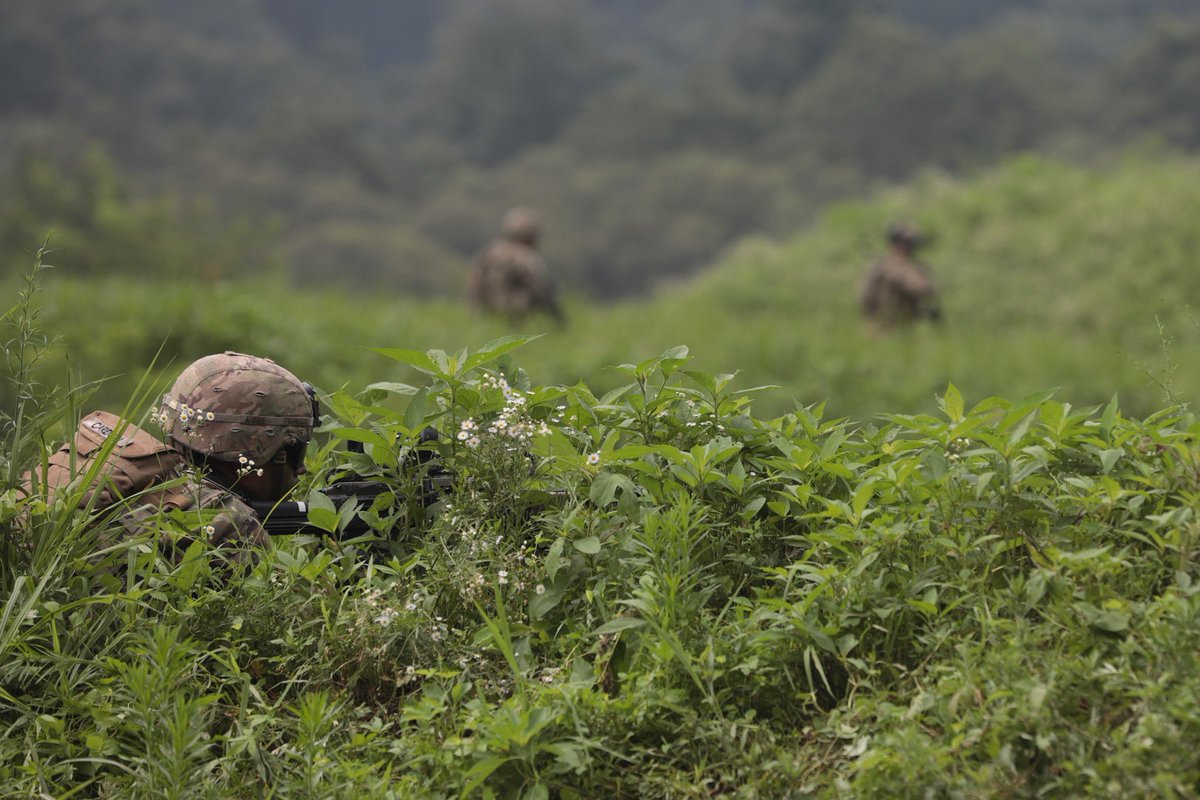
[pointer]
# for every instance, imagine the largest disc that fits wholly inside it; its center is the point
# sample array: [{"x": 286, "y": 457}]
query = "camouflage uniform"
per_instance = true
[
  {"x": 195, "y": 505},
  {"x": 509, "y": 277},
  {"x": 897, "y": 290}
]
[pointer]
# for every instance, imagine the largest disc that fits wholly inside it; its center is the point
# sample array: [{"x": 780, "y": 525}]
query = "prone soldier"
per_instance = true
[{"x": 237, "y": 428}]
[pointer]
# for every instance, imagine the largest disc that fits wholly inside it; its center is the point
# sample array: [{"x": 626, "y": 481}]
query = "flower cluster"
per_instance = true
[
  {"x": 512, "y": 423},
  {"x": 955, "y": 448},
  {"x": 247, "y": 466},
  {"x": 185, "y": 413}
]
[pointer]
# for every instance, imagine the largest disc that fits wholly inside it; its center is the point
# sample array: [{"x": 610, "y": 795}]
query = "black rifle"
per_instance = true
[{"x": 290, "y": 517}]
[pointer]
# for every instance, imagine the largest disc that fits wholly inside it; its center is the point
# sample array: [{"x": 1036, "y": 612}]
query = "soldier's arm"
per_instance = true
[
  {"x": 913, "y": 281},
  {"x": 231, "y": 527}
]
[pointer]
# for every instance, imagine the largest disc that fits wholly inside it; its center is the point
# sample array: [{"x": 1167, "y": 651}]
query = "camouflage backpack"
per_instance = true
[{"x": 136, "y": 461}]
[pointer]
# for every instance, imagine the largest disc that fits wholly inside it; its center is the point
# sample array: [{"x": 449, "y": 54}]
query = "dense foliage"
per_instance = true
[
  {"x": 997, "y": 599},
  {"x": 378, "y": 146}
]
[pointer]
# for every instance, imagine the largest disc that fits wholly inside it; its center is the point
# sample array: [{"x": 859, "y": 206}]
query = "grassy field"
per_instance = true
[
  {"x": 1052, "y": 277},
  {"x": 972, "y": 573}
]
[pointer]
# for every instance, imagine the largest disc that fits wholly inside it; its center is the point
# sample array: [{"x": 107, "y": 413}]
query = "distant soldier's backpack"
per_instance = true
[{"x": 136, "y": 461}]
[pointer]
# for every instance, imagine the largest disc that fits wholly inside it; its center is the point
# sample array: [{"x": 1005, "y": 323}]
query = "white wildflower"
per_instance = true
[{"x": 593, "y": 459}]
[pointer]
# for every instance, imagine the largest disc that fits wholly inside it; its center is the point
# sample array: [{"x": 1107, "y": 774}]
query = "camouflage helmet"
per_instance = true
[
  {"x": 233, "y": 405},
  {"x": 521, "y": 225},
  {"x": 906, "y": 234}
]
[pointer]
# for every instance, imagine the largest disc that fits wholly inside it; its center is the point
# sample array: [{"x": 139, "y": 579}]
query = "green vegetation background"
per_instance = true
[
  {"x": 377, "y": 149},
  {"x": 957, "y": 561},
  {"x": 1053, "y": 277}
]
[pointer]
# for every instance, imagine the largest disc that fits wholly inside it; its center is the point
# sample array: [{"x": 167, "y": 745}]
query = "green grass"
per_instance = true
[
  {"x": 1053, "y": 277},
  {"x": 999, "y": 600}
]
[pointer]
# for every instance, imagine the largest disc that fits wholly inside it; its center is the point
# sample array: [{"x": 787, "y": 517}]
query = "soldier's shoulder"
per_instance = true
[{"x": 198, "y": 491}]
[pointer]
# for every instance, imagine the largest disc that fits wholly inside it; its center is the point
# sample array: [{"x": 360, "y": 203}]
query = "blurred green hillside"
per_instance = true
[
  {"x": 1053, "y": 276},
  {"x": 375, "y": 145}
]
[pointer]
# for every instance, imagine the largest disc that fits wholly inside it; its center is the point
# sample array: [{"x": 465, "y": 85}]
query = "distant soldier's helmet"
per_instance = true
[
  {"x": 234, "y": 406},
  {"x": 906, "y": 234},
  {"x": 521, "y": 225}
]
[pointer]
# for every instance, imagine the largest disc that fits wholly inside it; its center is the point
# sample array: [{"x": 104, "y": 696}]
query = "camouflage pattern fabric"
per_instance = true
[
  {"x": 232, "y": 406},
  {"x": 897, "y": 291},
  {"x": 192, "y": 507},
  {"x": 168, "y": 500},
  {"x": 509, "y": 278}
]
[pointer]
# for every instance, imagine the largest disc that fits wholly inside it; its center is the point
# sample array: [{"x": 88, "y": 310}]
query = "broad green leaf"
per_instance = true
[
  {"x": 952, "y": 403},
  {"x": 605, "y": 486},
  {"x": 613, "y": 395},
  {"x": 447, "y": 367},
  {"x": 1109, "y": 418},
  {"x": 414, "y": 358},
  {"x": 619, "y": 624},
  {"x": 672, "y": 359},
  {"x": 542, "y": 604},
  {"x": 392, "y": 388},
  {"x": 361, "y": 435},
  {"x": 553, "y": 561},
  {"x": 1053, "y": 414},
  {"x": 862, "y": 496},
  {"x": 496, "y": 348},
  {"x": 1109, "y": 458},
  {"x": 346, "y": 513},
  {"x": 702, "y": 379},
  {"x": 588, "y": 545},
  {"x": 1110, "y": 621},
  {"x": 414, "y": 415},
  {"x": 766, "y": 387},
  {"x": 321, "y": 512}
]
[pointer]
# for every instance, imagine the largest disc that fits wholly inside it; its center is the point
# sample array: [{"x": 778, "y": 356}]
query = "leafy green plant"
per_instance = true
[{"x": 648, "y": 591}]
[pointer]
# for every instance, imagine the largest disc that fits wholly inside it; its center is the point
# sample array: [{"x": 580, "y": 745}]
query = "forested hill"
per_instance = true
[{"x": 376, "y": 144}]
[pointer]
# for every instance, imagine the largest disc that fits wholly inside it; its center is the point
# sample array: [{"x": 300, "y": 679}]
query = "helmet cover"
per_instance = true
[
  {"x": 521, "y": 225},
  {"x": 232, "y": 406}
]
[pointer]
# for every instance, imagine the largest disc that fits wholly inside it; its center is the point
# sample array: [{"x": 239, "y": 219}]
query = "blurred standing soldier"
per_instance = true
[
  {"x": 237, "y": 428},
  {"x": 897, "y": 290},
  {"x": 509, "y": 277}
]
